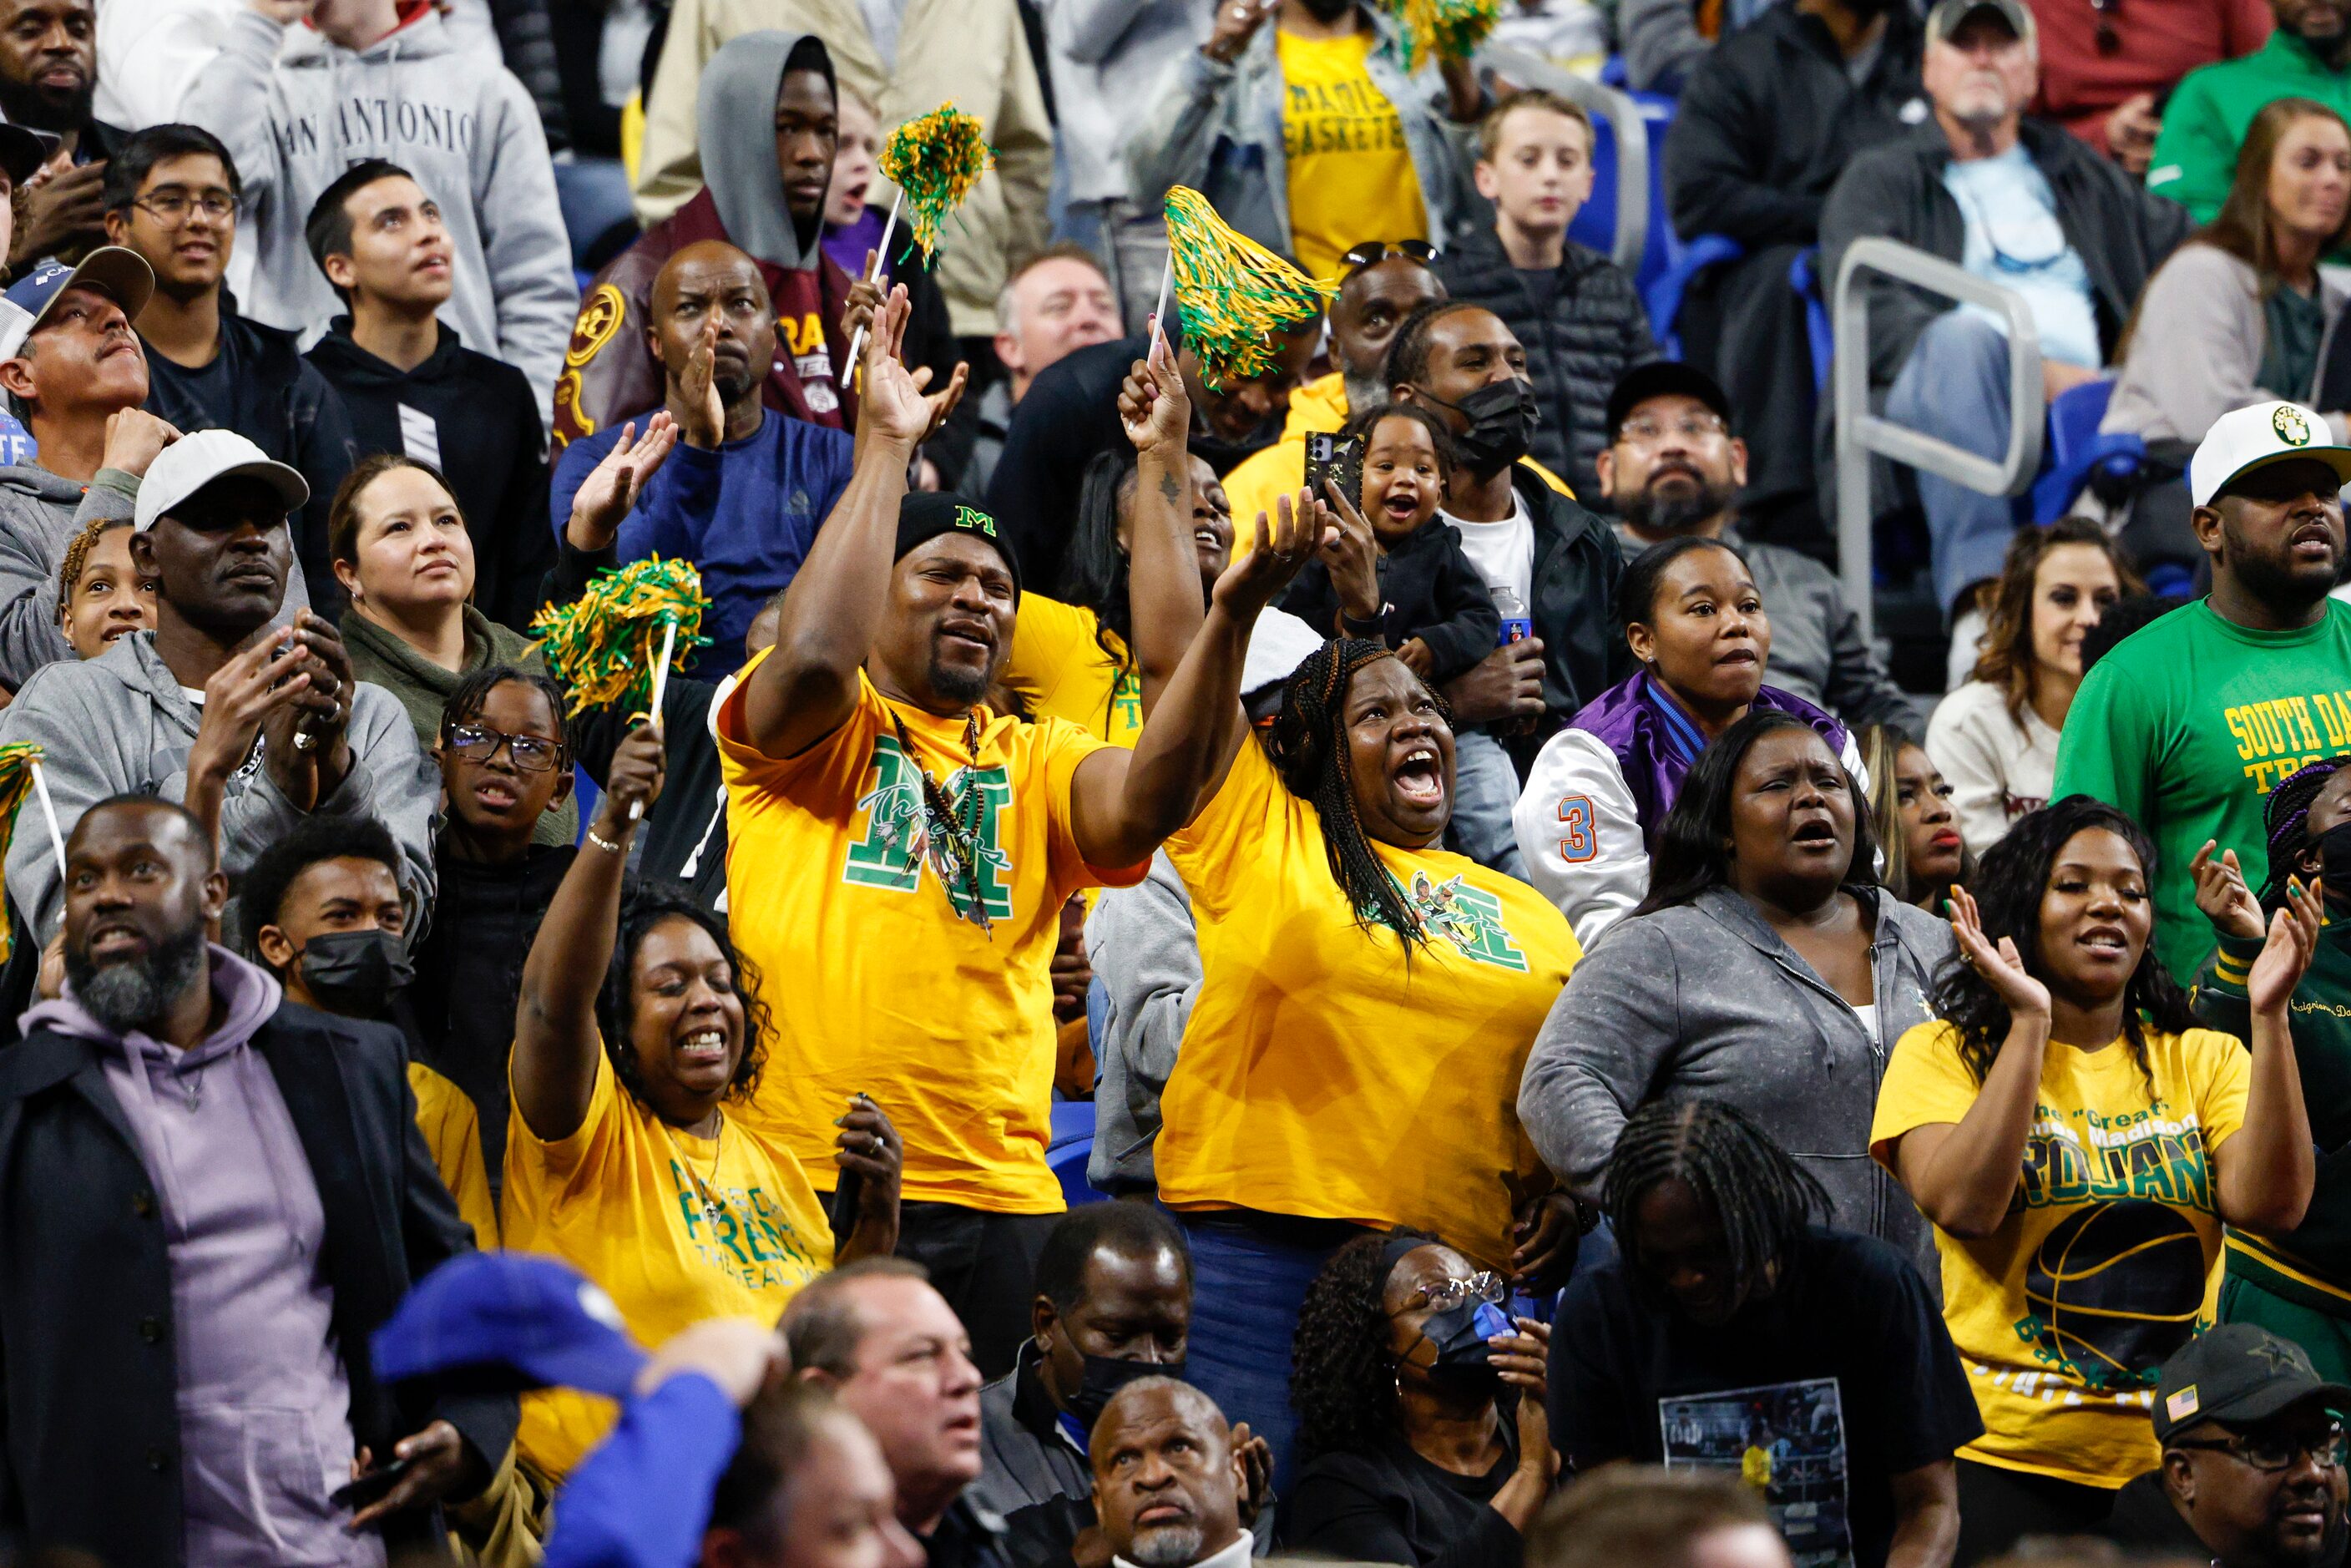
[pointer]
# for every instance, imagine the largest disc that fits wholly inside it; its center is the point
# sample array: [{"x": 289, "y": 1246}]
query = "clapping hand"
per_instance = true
[
  {"x": 2285, "y": 956},
  {"x": 2222, "y": 895},
  {"x": 892, "y": 402},
  {"x": 2002, "y": 967},
  {"x": 605, "y": 499}
]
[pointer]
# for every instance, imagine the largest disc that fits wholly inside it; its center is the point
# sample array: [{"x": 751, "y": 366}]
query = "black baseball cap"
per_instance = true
[
  {"x": 24, "y": 149},
  {"x": 1662, "y": 378},
  {"x": 2238, "y": 1373}
]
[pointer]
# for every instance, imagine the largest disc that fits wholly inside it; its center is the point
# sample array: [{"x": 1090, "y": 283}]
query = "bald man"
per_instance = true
[
  {"x": 1168, "y": 1482},
  {"x": 744, "y": 489}
]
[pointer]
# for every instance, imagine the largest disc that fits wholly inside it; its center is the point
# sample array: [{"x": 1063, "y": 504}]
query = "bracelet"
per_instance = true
[{"x": 608, "y": 845}]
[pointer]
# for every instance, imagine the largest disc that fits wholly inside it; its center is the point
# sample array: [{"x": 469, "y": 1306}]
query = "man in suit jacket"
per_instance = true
[{"x": 209, "y": 1199}]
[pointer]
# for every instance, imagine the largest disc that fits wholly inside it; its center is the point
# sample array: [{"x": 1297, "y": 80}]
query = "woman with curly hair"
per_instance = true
[
  {"x": 2297, "y": 1284},
  {"x": 1420, "y": 1408},
  {"x": 1995, "y": 736},
  {"x": 639, "y": 1025},
  {"x": 1299, "y": 1111},
  {"x": 2079, "y": 1141}
]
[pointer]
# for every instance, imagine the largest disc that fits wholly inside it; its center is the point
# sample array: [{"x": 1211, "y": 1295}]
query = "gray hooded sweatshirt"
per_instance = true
[
  {"x": 120, "y": 723},
  {"x": 1706, "y": 999},
  {"x": 455, "y": 117}
]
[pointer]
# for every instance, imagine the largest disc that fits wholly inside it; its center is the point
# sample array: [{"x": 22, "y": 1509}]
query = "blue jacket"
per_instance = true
[{"x": 744, "y": 512}]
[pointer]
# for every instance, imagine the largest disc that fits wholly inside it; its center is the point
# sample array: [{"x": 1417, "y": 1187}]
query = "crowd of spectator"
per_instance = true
[{"x": 1390, "y": 957}]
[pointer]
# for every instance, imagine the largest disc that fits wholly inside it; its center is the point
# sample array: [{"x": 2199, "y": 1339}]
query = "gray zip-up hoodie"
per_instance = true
[
  {"x": 1706, "y": 999},
  {"x": 39, "y": 514},
  {"x": 120, "y": 724},
  {"x": 455, "y": 117}
]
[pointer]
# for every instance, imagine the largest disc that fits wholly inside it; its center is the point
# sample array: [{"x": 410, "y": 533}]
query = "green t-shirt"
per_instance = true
[{"x": 2186, "y": 725}]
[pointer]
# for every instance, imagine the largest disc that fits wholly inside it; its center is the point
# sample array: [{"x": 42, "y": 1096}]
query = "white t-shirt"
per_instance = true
[
  {"x": 1503, "y": 552},
  {"x": 2013, "y": 239},
  {"x": 1998, "y": 771}
]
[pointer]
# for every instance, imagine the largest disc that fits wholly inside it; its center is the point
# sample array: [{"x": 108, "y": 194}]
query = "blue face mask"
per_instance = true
[{"x": 1460, "y": 1332}]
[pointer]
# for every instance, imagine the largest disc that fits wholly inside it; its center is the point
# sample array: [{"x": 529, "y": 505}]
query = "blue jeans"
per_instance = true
[
  {"x": 1955, "y": 386},
  {"x": 1484, "y": 789},
  {"x": 1249, "y": 1274}
]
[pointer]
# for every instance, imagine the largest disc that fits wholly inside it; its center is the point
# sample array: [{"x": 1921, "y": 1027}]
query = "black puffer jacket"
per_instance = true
[{"x": 1593, "y": 331}]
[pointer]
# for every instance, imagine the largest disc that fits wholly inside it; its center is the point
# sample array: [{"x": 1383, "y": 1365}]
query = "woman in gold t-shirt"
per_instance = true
[
  {"x": 2078, "y": 1143},
  {"x": 638, "y": 1026}
]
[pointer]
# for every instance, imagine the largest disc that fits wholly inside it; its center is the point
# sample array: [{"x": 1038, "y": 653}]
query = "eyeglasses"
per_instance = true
[
  {"x": 479, "y": 743},
  {"x": 1645, "y": 432},
  {"x": 1372, "y": 252},
  {"x": 1445, "y": 1295},
  {"x": 171, "y": 206},
  {"x": 2273, "y": 1451}
]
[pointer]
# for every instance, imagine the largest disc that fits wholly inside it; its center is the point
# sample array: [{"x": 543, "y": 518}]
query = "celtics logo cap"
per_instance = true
[
  {"x": 2256, "y": 436},
  {"x": 924, "y": 515}
]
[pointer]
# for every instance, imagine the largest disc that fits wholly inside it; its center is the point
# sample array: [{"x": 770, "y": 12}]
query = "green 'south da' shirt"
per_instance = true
[{"x": 2186, "y": 725}]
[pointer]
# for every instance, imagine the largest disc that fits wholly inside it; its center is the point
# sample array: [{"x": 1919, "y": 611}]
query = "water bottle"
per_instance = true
[{"x": 1517, "y": 626}]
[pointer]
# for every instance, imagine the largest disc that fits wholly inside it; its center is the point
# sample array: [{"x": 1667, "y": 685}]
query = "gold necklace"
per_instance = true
[{"x": 711, "y": 1208}]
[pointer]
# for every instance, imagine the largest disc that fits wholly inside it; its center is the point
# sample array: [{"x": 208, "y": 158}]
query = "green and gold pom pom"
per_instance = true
[
  {"x": 16, "y": 761},
  {"x": 1234, "y": 295},
  {"x": 1440, "y": 29},
  {"x": 934, "y": 159},
  {"x": 603, "y": 647}
]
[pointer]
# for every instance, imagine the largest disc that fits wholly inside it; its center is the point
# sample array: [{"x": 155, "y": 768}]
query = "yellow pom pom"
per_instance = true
[
  {"x": 16, "y": 761},
  {"x": 934, "y": 158},
  {"x": 1234, "y": 295},
  {"x": 603, "y": 646}
]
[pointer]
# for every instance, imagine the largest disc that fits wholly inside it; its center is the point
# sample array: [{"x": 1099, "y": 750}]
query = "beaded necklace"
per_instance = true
[{"x": 952, "y": 826}]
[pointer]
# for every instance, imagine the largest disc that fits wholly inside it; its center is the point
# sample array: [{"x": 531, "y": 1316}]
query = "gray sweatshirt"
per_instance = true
[
  {"x": 1704, "y": 999},
  {"x": 39, "y": 514},
  {"x": 120, "y": 723},
  {"x": 453, "y": 117},
  {"x": 1144, "y": 946}
]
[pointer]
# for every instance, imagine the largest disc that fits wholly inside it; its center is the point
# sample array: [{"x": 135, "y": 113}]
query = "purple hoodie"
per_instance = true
[{"x": 264, "y": 1405}]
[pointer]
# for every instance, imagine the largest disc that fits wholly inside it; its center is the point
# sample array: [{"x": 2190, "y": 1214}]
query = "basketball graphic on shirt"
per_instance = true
[{"x": 2115, "y": 1289}]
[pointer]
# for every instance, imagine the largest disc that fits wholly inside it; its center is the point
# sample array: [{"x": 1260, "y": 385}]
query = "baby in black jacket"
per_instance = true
[{"x": 1407, "y": 584}]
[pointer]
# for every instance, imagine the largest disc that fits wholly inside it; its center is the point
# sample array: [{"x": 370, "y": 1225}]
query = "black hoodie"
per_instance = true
[{"x": 476, "y": 420}]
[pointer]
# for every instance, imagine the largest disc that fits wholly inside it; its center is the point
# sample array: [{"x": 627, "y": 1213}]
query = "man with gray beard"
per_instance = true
[
  {"x": 1672, "y": 467},
  {"x": 209, "y": 1199},
  {"x": 1167, "y": 1479}
]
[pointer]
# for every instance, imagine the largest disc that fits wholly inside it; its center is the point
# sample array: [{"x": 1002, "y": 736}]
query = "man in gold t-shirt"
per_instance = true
[{"x": 899, "y": 853}]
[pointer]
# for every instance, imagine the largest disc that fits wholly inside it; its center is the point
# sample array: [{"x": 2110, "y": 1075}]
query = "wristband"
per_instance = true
[{"x": 609, "y": 846}]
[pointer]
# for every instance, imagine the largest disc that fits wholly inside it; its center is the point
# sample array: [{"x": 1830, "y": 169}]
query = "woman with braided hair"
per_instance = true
[
  {"x": 1421, "y": 1410},
  {"x": 1300, "y": 1113},
  {"x": 1729, "y": 1295},
  {"x": 2079, "y": 1141},
  {"x": 2295, "y": 1283}
]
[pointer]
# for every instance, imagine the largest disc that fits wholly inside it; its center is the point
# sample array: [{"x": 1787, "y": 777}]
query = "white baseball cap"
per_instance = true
[
  {"x": 196, "y": 460},
  {"x": 2255, "y": 437}
]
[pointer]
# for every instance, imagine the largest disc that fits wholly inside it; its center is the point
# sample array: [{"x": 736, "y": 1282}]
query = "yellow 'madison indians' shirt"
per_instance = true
[
  {"x": 623, "y": 1200},
  {"x": 878, "y": 980},
  {"x": 2109, "y": 1256},
  {"x": 1325, "y": 1075}
]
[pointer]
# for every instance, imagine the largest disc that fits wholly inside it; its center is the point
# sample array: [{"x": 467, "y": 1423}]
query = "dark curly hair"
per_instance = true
[
  {"x": 643, "y": 906},
  {"x": 1343, "y": 1379},
  {"x": 2008, "y": 887},
  {"x": 2286, "y": 816},
  {"x": 1308, "y": 743}
]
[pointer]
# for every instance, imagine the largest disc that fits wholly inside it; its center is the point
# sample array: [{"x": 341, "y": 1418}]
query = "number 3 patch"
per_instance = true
[{"x": 1577, "y": 842}]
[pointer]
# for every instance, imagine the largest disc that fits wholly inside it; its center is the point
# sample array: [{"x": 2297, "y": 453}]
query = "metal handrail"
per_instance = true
[
  {"x": 1860, "y": 432},
  {"x": 1624, "y": 122}
]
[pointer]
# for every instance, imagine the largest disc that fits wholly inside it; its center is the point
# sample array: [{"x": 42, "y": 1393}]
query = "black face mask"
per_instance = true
[
  {"x": 2335, "y": 857},
  {"x": 1464, "y": 1359},
  {"x": 1105, "y": 1377},
  {"x": 1502, "y": 418},
  {"x": 355, "y": 972}
]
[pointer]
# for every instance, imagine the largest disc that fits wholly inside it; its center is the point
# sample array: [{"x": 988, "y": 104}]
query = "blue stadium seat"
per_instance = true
[
  {"x": 1803, "y": 276},
  {"x": 1663, "y": 297},
  {"x": 1072, "y": 1146},
  {"x": 1595, "y": 223},
  {"x": 2076, "y": 450}
]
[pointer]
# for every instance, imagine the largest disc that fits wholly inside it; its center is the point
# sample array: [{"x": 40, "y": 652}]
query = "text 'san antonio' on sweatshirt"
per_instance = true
[{"x": 453, "y": 117}]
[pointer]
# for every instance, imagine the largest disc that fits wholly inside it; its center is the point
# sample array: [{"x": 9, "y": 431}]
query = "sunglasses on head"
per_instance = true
[{"x": 1372, "y": 252}]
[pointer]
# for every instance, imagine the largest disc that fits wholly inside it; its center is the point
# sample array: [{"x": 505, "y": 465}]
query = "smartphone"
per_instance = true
[
  {"x": 372, "y": 1488},
  {"x": 1341, "y": 462}
]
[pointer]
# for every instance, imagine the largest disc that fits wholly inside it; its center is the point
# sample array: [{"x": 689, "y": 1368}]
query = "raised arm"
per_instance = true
[
  {"x": 805, "y": 689},
  {"x": 556, "y": 1046},
  {"x": 1124, "y": 805},
  {"x": 1962, "y": 1174},
  {"x": 2262, "y": 1177},
  {"x": 1163, "y": 568}
]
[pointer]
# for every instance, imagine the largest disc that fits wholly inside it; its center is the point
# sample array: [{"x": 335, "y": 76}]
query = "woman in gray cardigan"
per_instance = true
[{"x": 1766, "y": 968}]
